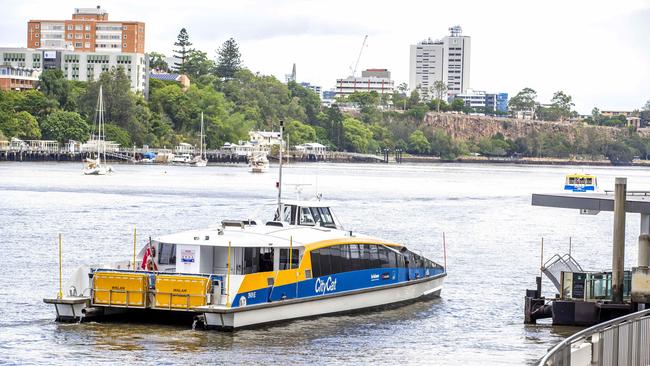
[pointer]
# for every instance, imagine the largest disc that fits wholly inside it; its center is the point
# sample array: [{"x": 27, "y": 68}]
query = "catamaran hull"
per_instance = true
[{"x": 323, "y": 305}]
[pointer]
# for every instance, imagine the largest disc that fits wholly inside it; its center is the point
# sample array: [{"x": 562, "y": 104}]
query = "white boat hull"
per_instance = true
[{"x": 335, "y": 303}]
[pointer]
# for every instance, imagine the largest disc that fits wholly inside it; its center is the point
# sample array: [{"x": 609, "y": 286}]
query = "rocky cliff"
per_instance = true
[{"x": 465, "y": 127}]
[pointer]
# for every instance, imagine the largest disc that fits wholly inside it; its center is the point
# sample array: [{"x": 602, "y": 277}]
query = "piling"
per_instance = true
[
  {"x": 618, "y": 252},
  {"x": 644, "y": 250}
]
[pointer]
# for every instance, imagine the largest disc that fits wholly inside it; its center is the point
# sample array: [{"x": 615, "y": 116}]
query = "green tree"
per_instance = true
[
  {"x": 63, "y": 126},
  {"x": 198, "y": 64},
  {"x": 21, "y": 125},
  {"x": 299, "y": 133},
  {"x": 229, "y": 59},
  {"x": 524, "y": 101},
  {"x": 308, "y": 100},
  {"x": 442, "y": 145},
  {"x": 402, "y": 88},
  {"x": 54, "y": 85},
  {"x": 357, "y": 135},
  {"x": 119, "y": 100},
  {"x": 157, "y": 62},
  {"x": 561, "y": 104},
  {"x": 118, "y": 134},
  {"x": 440, "y": 89},
  {"x": 458, "y": 105},
  {"x": 619, "y": 153},
  {"x": 182, "y": 52},
  {"x": 418, "y": 143}
]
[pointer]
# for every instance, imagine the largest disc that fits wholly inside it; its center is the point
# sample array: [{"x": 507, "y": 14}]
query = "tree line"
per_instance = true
[{"x": 235, "y": 100}]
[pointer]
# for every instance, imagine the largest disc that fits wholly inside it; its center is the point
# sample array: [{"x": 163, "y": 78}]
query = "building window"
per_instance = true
[
  {"x": 78, "y": 27},
  {"x": 37, "y": 26},
  {"x": 37, "y": 35},
  {"x": 87, "y": 44},
  {"x": 77, "y": 35},
  {"x": 124, "y": 45},
  {"x": 87, "y": 27},
  {"x": 70, "y": 27},
  {"x": 87, "y": 35},
  {"x": 77, "y": 45},
  {"x": 124, "y": 36},
  {"x": 69, "y": 35},
  {"x": 37, "y": 44},
  {"x": 124, "y": 27}
]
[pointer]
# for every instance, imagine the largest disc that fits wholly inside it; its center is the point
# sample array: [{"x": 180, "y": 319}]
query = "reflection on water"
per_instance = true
[{"x": 492, "y": 232}]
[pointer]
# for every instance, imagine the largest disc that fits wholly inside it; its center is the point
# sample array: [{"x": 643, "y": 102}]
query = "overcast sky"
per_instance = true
[{"x": 598, "y": 51}]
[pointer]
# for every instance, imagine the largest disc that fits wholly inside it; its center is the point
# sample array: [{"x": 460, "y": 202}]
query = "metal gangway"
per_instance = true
[
  {"x": 557, "y": 264},
  {"x": 621, "y": 341}
]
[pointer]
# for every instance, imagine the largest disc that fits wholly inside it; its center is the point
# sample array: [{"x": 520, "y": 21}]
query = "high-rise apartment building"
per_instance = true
[
  {"x": 446, "y": 60},
  {"x": 89, "y": 30}
]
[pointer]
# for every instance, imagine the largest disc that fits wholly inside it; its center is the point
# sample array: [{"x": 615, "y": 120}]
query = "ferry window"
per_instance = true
[
  {"x": 335, "y": 259},
  {"x": 364, "y": 253},
  {"x": 284, "y": 258},
  {"x": 316, "y": 215},
  {"x": 315, "y": 263},
  {"x": 355, "y": 258},
  {"x": 305, "y": 216},
  {"x": 326, "y": 217},
  {"x": 251, "y": 260},
  {"x": 392, "y": 259},
  {"x": 383, "y": 257},
  {"x": 167, "y": 253},
  {"x": 374, "y": 257},
  {"x": 325, "y": 267},
  {"x": 266, "y": 259}
]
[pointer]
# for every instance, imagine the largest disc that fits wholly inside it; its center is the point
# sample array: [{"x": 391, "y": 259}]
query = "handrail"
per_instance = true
[{"x": 585, "y": 333}]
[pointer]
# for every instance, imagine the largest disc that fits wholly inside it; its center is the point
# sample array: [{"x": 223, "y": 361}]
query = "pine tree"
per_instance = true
[
  {"x": 229, "y": 60},
  {"x": 183, "y": 41}
]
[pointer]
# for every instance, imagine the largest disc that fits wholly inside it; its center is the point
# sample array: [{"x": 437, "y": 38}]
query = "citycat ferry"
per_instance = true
[
  {"x": 580, "y": 182},
  {"x": 250, "y": 272}
]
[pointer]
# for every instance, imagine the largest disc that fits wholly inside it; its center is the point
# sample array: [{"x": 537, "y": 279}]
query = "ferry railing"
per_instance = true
[{"x": 620, "y": 341}]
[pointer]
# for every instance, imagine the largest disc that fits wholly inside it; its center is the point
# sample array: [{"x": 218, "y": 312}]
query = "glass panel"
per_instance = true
[
  {"x": 326, "y": 217},
  {"x": 167, "y": 253},
  {"x": 251, "y": 260},
  {"x": 305, "y": 216},
  {"x": 374, "y": 257},
  {"x": 316, "y": 215},
  {"x": 355, "y": 258},
  {"x": 325, "y": 266},
  {"x": 315, "y": 263},
  {"x": 266, "y": 259},
  {"x": 335, "y": 259}
]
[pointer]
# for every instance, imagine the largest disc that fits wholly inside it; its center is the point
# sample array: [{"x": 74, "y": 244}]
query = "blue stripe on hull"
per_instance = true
[{"x": 340, "y": 282}]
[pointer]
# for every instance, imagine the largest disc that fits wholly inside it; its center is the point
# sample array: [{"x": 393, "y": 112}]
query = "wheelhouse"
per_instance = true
[{"x": 307, "y": 213}]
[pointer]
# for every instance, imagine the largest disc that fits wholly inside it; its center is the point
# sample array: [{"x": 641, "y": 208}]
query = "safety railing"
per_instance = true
[{"x": 621, "y": 341}]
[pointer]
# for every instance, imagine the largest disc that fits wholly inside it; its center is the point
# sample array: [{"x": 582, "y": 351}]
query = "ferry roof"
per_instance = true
[
  {"x": 267, "y": 236},
  {"x": 635, "y": 202}
]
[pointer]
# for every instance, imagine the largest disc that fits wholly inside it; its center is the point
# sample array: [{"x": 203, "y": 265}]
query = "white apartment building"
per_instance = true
[
  {"x": 81, "y": 66},
  {"x": 446, "y": 60},
  {"x": 474, "y": 98},
  {"x": 377, "y": 80}
]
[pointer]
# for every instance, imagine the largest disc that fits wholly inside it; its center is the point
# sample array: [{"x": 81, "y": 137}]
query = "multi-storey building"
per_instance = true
[
  {"x": 315, "y": 88},
  {"x": 446, "y": 60},
  {"x": 81, "y": 66},
  {"x": 377, "y": 80},
  {"x": 481, "y": 101},
  {"x": 89, "y": 30},
  {"x": 14, "y": 78}
]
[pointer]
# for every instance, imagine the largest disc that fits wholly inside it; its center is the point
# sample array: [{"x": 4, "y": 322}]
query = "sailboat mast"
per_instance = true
[
  {"x": 201, "y": 135},
  {"x": 280, "y": 174}
]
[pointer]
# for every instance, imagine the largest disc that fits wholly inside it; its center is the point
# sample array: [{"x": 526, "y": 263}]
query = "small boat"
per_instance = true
[
  {"x": 96, "y": 166},
  {"x": 200, "y": 160},
  {"x": 580, "y": 182},
  {"x": 182, "y": 159},
  {"x": 259, "y": 163}
]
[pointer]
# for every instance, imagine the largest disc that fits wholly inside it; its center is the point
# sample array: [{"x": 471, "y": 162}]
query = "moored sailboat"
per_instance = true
[{"x": 97, "y": 165}]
